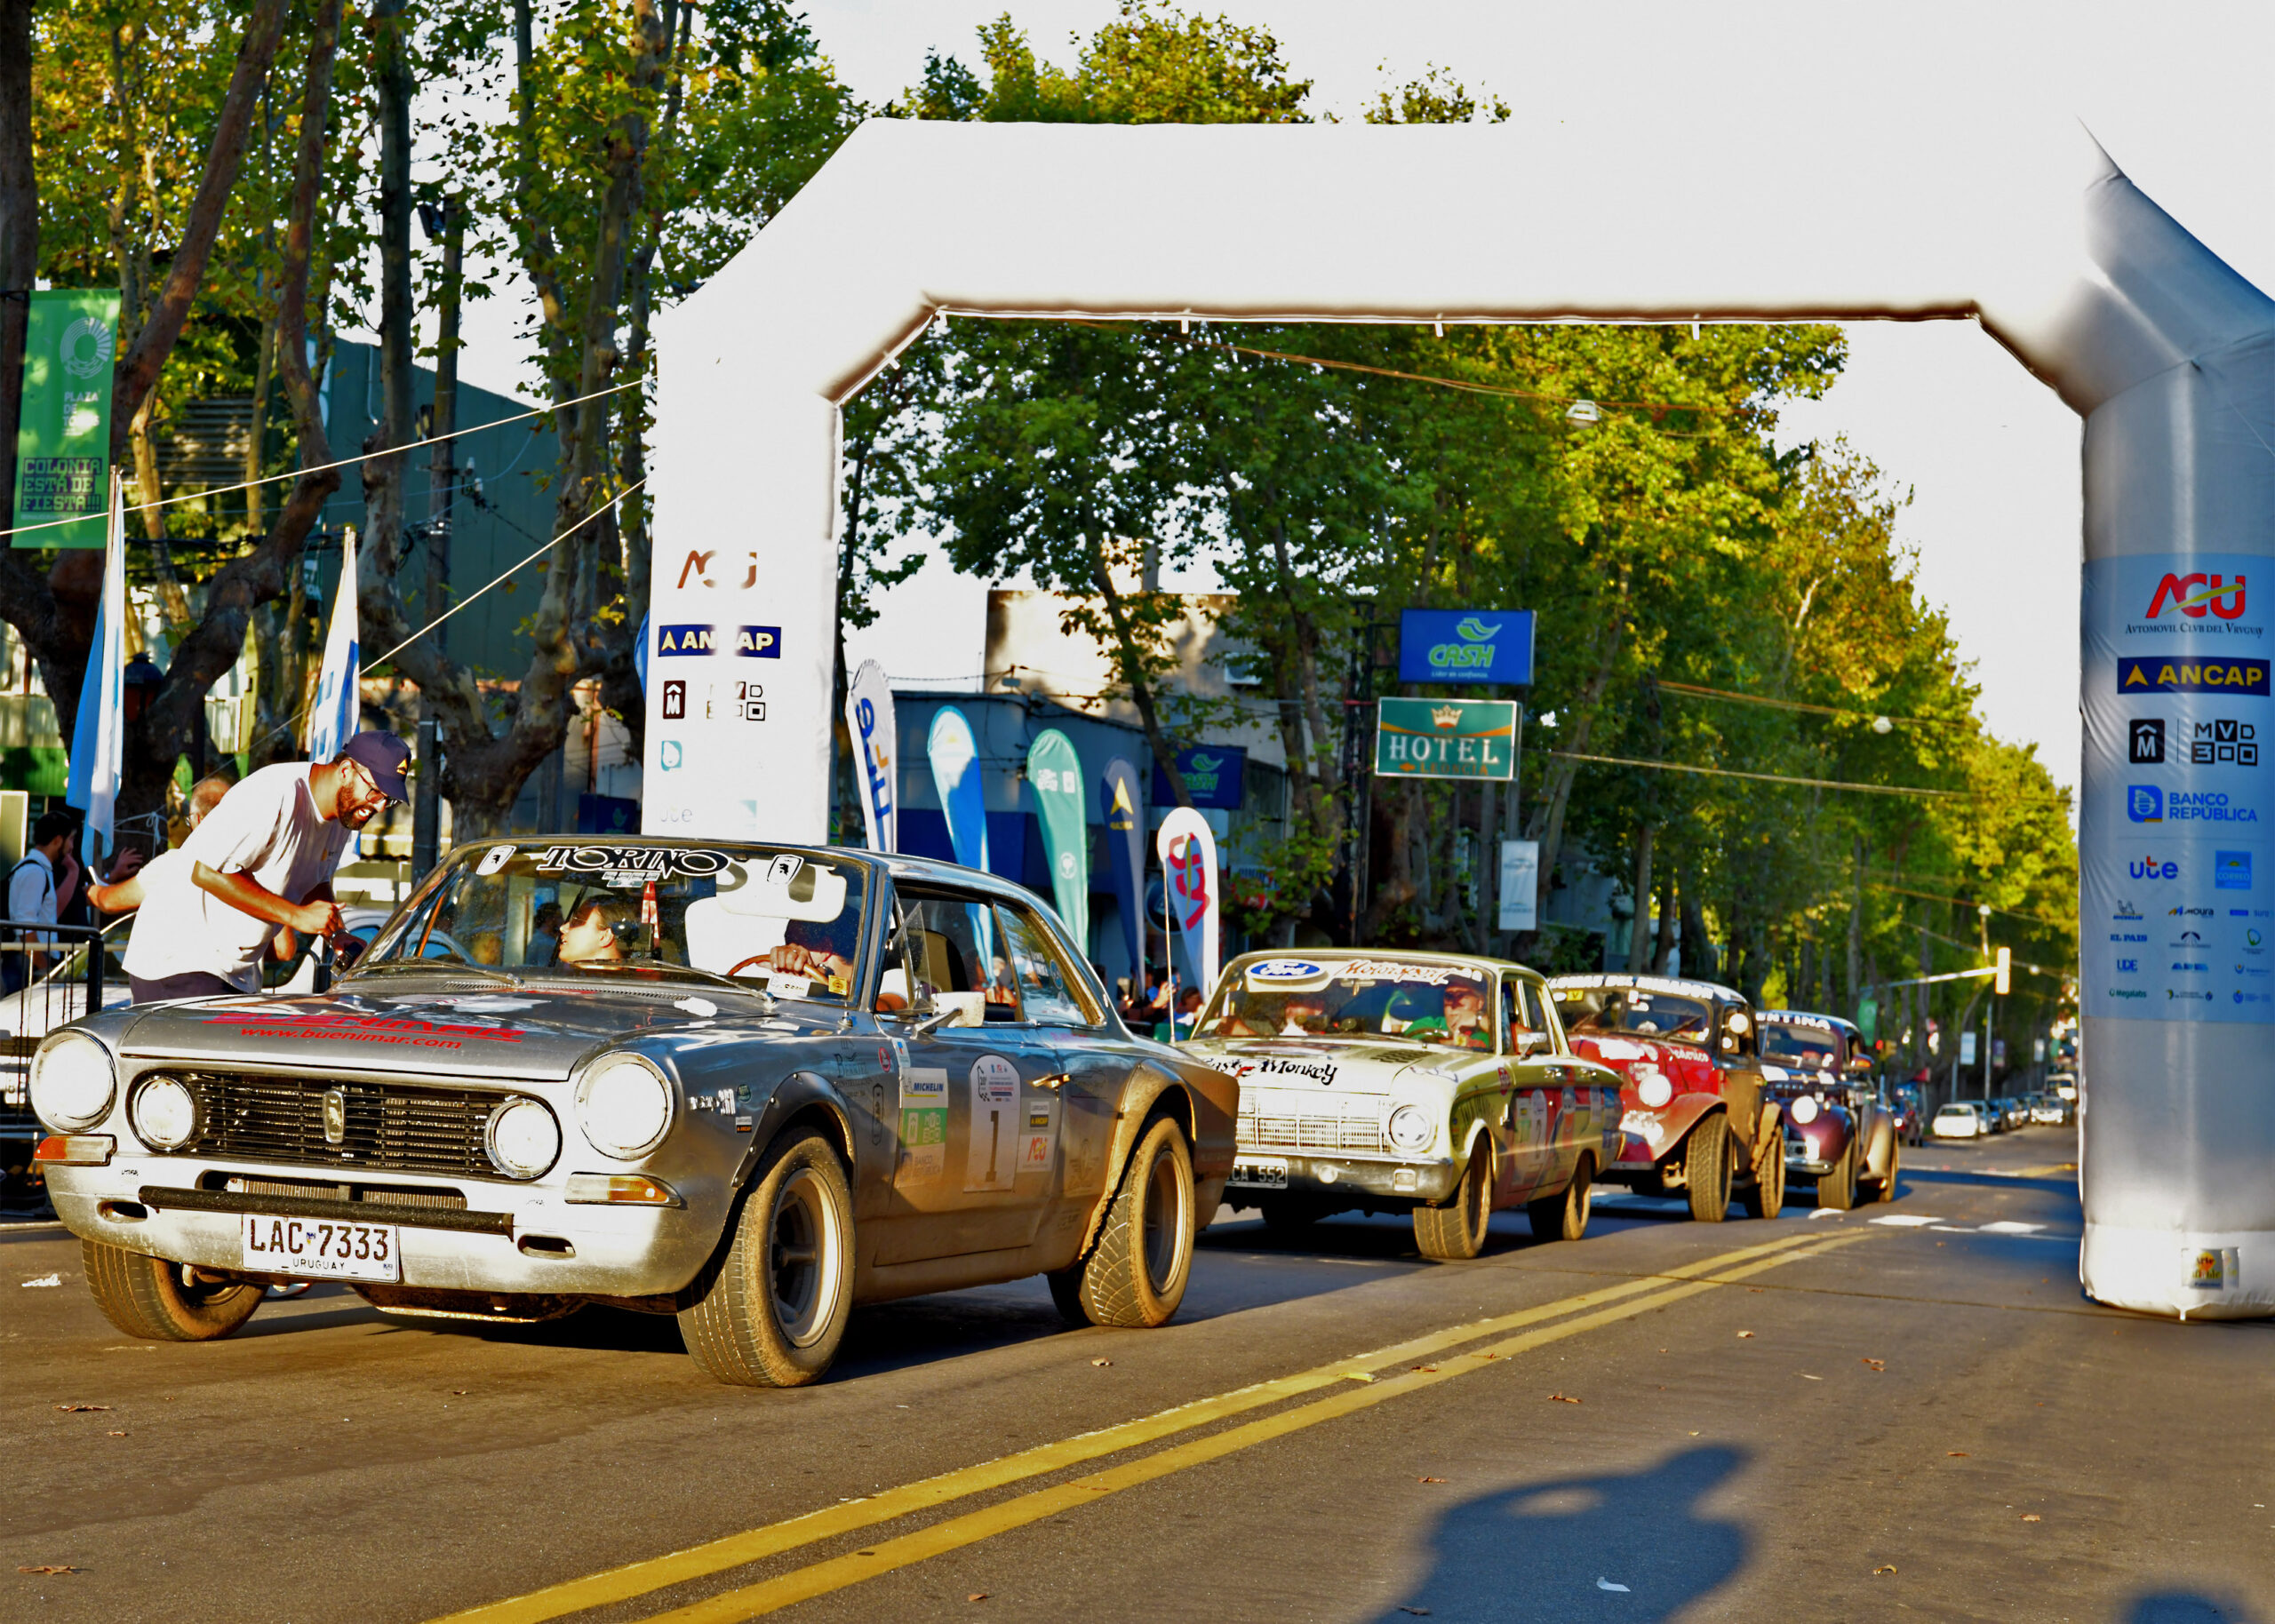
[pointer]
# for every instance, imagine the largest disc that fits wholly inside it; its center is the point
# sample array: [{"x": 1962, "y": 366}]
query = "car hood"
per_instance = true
[
  {"x": 452, "y": 1025},
  {"x": 1365, "y": 1065}
]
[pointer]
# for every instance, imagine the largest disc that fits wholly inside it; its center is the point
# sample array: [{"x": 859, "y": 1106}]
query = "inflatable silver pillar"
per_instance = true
[
  {"x": 2177, "y": 925},
  {"x": 2025, "y": 223}
]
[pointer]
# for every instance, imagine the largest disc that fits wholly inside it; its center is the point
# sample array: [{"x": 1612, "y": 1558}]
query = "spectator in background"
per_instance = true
[
  {"x": 1178, "y": 1026},
  {"x": 545, "y": 935},
  {"x": 132, "y": 879},
  {"x": 33, "y": 898}
]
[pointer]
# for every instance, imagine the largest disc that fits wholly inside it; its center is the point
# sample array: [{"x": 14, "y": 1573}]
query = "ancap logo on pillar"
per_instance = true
[
  {"x": 2191, "y": 676},
  {"x": 750, "y": 642}
]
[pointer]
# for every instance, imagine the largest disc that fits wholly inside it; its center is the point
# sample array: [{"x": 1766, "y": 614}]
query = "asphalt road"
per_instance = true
[{"x": 1904, "y": 1411}]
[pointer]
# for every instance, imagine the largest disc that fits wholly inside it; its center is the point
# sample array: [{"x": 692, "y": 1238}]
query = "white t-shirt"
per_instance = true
[{"x": 266, "y": 828}]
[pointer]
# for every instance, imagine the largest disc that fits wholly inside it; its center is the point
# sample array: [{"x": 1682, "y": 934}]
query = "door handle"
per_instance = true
[{"x": 1055, "y": 1080}]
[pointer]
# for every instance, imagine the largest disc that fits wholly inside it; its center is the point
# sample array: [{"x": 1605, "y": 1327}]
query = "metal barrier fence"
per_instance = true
[{"x": 52, "y": 974}]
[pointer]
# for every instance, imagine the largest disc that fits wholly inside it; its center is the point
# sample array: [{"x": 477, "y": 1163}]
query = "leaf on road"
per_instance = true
[
  {"x": 1429, "y": 1480},
  {"x": 118, "y": 1435},
  {"x": 976, "y": 1596},
  {"x": 1956, "y": 1454},
  {"x": 1890, "y": 1568},
  {"x": 1605, "y": 1584},
  {"x": 80, "y": 1409},
  {"x": 2031, "y": 1516},
  {"x": 49, "y": 1567},
  {"x": 1100, "y": 1363},
  {"x": 1561, "y": 1399},
  {"x": 1879, "y": 1365},
  {"x": 1806, "y": 1377},
  {"x": 1423, "y": 1369},
  {"x": 1744, "y": 1335}
]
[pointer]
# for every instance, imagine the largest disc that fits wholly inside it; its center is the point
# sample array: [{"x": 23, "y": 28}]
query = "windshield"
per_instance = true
[
  {"x": 1369, "y": 997},
  {"x": 788, "y": 922},
  {"x": 1798, "y": 1044},
  {"x": 1590, "y": 1012}
]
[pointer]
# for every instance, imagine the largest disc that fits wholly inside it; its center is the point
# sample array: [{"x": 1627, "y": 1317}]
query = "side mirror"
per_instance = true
[{"x": 1533, "y": 1043}]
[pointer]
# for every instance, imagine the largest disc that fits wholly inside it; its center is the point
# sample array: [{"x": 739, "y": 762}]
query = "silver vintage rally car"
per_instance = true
[
  {"x": 1433, "y": 1084},
  {"x": 750, "y": 1085}
]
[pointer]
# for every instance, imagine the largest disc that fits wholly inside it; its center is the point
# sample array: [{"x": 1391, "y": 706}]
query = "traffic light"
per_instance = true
[{"x": 2002, "y": 979}]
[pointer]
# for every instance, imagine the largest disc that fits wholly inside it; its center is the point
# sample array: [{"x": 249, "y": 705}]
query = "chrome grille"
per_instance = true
[
  {"x": 1316, "y": 1134},
  {"x": 391, "y": 1126}
]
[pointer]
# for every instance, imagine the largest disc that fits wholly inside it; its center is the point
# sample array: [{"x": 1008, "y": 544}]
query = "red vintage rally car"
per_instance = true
[
  {"x": 1695, "y": 1115},
  {"x": 1838, "y": 1131}
]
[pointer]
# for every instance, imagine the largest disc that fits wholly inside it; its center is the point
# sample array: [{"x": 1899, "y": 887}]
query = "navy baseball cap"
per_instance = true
[{"x": 385, "y": 757}]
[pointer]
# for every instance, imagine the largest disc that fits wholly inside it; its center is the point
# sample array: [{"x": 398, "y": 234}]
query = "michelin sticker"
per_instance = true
[
  {"x": 923, "y": 1088},
  {"x": 991, "y": 1162}
]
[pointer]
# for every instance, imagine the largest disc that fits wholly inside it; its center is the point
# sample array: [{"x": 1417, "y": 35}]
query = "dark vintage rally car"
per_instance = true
[
  {"x": 1838, "y": 1131},
  {"x": 1695, "y": 1117},
  {"x": 750, "y": 1085},
  {"x": 1437, "y": 1085}
]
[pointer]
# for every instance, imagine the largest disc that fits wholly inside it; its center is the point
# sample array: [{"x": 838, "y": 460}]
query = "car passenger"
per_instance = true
[
  {"x": 589, "y": 935},
  {"x": 1461, "y": 1020}
]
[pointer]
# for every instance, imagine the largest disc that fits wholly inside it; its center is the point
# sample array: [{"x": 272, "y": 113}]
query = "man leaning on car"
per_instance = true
[{"x": 264, "y": 857}]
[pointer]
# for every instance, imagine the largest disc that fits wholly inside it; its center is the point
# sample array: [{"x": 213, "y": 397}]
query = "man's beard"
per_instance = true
[{"x": 352, "y": 813}]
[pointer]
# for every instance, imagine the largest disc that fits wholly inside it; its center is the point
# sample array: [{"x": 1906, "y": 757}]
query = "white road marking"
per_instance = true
[
  {"x": 2008, "y": 1226},
  {"x": 1907, "y": 1221}
]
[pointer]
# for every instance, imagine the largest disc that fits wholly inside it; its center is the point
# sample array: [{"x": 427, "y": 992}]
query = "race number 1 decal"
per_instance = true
[{"x": 994, "y": 1158}]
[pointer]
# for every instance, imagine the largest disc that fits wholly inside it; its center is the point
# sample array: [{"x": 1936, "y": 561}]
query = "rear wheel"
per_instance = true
[
  {"x": 1706, "y": 1169},
  {"x": 1564, "y": 1216},
  {"x": 1765, "y": 1198},
  {"x": 771, "y": 1308},
  {"x": 1455, "y": 1232},
  {"x": 1837, "y": 1189},
  {"x": 163, "y": 1301},
  {"x": 1884, "y": 1188},
  {"x": 1136, "y": 1274}
]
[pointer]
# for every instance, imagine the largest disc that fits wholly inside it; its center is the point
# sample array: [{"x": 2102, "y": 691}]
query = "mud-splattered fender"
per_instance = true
[{"x": 1204, "y": 1100}]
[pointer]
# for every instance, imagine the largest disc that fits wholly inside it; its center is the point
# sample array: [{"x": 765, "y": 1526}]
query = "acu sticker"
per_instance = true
[
  {"x": 992, "y": 1160},
  {"x": 1039, "y": 1135}
]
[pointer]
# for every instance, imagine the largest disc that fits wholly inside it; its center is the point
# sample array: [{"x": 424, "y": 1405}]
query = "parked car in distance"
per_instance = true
[
  {"x": 2049, "y": 1109},
  {"x": 1910, "y": 1119},
  {"x": 1433, "y": 1084},
  {"x": 1839, "y": 1134},
  {"x": 1693, "y": 1116},
  {"x": 1962, "y": 1120},
  {"x": 750, "y": 1085},
  {"x": 2064, "y": 1084}
]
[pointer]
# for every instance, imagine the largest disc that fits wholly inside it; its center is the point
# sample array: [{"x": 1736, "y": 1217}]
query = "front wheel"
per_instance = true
[
  {"x": 165, "y": 1302},
  {"x": 1766, "y": 1197},
  {"x": 770, "y": 1311},
  {"x": 1707, "y": 1171},
  {"x": 1564, "y": 1216},
  {"x": 1837, "y": 1189},
  {"x": 1136, "y": 1274},
  {"x": 1456, "y": 1232}
]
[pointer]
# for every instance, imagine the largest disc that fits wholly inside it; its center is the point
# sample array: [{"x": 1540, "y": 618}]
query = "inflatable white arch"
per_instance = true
[{"x": 2163, "y": 349}]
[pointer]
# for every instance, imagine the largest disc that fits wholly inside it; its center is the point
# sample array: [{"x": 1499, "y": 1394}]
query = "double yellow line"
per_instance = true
[{"x": 1357, "y": 1387}]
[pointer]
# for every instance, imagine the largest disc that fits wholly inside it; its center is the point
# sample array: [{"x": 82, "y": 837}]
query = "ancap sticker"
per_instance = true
[{"x": 494, "y": 859}]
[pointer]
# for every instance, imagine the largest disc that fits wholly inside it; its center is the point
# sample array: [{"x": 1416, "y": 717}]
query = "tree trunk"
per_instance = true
[
  {"x": 1698, "y": 950},
  {"x": 1639, "y": 951},
  {"x": 177, "y": 704},
  {"x": 1662, "y": 949},
  {"x": 1855, "y": 988},
  {"x": 18, "y": 226},
  {"x": 138, "y": 368}
]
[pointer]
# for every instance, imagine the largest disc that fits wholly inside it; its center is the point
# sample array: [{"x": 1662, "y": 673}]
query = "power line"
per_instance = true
[
  {"x": 1731, "y": 772},
  {"x": 1698, "y": 691},
  {"x": 271, "y": 478}
]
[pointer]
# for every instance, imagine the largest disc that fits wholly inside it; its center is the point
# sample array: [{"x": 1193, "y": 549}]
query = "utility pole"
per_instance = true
[
  {"x": 426, "y": 807},
  {"x": 1991, "y": 999}
]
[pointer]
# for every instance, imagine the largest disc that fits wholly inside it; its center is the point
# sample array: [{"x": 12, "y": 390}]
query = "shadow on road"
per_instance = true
[
  {"x": 2172, "y": 1607},
  {"x": 1549, "y": 1551},
  {"x": 2065, "y": 1185}
]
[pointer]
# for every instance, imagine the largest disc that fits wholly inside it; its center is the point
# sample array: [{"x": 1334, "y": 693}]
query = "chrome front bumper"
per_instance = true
[
  {"x": 610, "y": 1250},
  {"x": 1329, "y": 1177}
]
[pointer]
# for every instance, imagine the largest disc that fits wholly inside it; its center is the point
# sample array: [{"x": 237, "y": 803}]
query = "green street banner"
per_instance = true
[
  {"x": 1445, "y": 739},
  {"x": 1055, "y": 775},
  {"x": 63, "y": 447}
]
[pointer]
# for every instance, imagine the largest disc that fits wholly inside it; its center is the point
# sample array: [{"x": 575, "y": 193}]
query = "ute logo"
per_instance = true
[
  {"x": 2149, "y": 868},
  {"x": 2192, "y": 594}
]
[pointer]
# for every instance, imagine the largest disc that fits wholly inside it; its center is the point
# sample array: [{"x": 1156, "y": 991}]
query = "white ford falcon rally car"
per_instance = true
[{"x": 1432, "y": 1083}]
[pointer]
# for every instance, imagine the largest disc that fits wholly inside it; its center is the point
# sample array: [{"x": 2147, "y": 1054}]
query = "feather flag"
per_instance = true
[
  {"x": 337, "y": 714},
  {"x": 99, "y": 730}
]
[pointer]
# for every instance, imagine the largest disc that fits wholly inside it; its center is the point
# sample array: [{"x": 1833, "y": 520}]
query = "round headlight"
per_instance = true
[
  {"x": 623, "y": 1108},
  {"x": 1655, "y": 1090},
  {"x": 1413, "y": 1127},
  {"x": 523, "y": 1139},
  {"x": 72, "y": 1083},
  {"x": 165, "y": 1114},
  {"x": 1805, "y": 1110}
]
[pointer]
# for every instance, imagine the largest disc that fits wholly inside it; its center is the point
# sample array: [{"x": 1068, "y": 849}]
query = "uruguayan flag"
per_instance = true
[
  {"x": 337, "y": 715},
  {"x": 98, "y": 731}
]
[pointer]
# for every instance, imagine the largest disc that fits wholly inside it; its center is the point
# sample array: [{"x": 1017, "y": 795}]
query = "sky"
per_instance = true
[{"x": 2176, "y": 94}]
